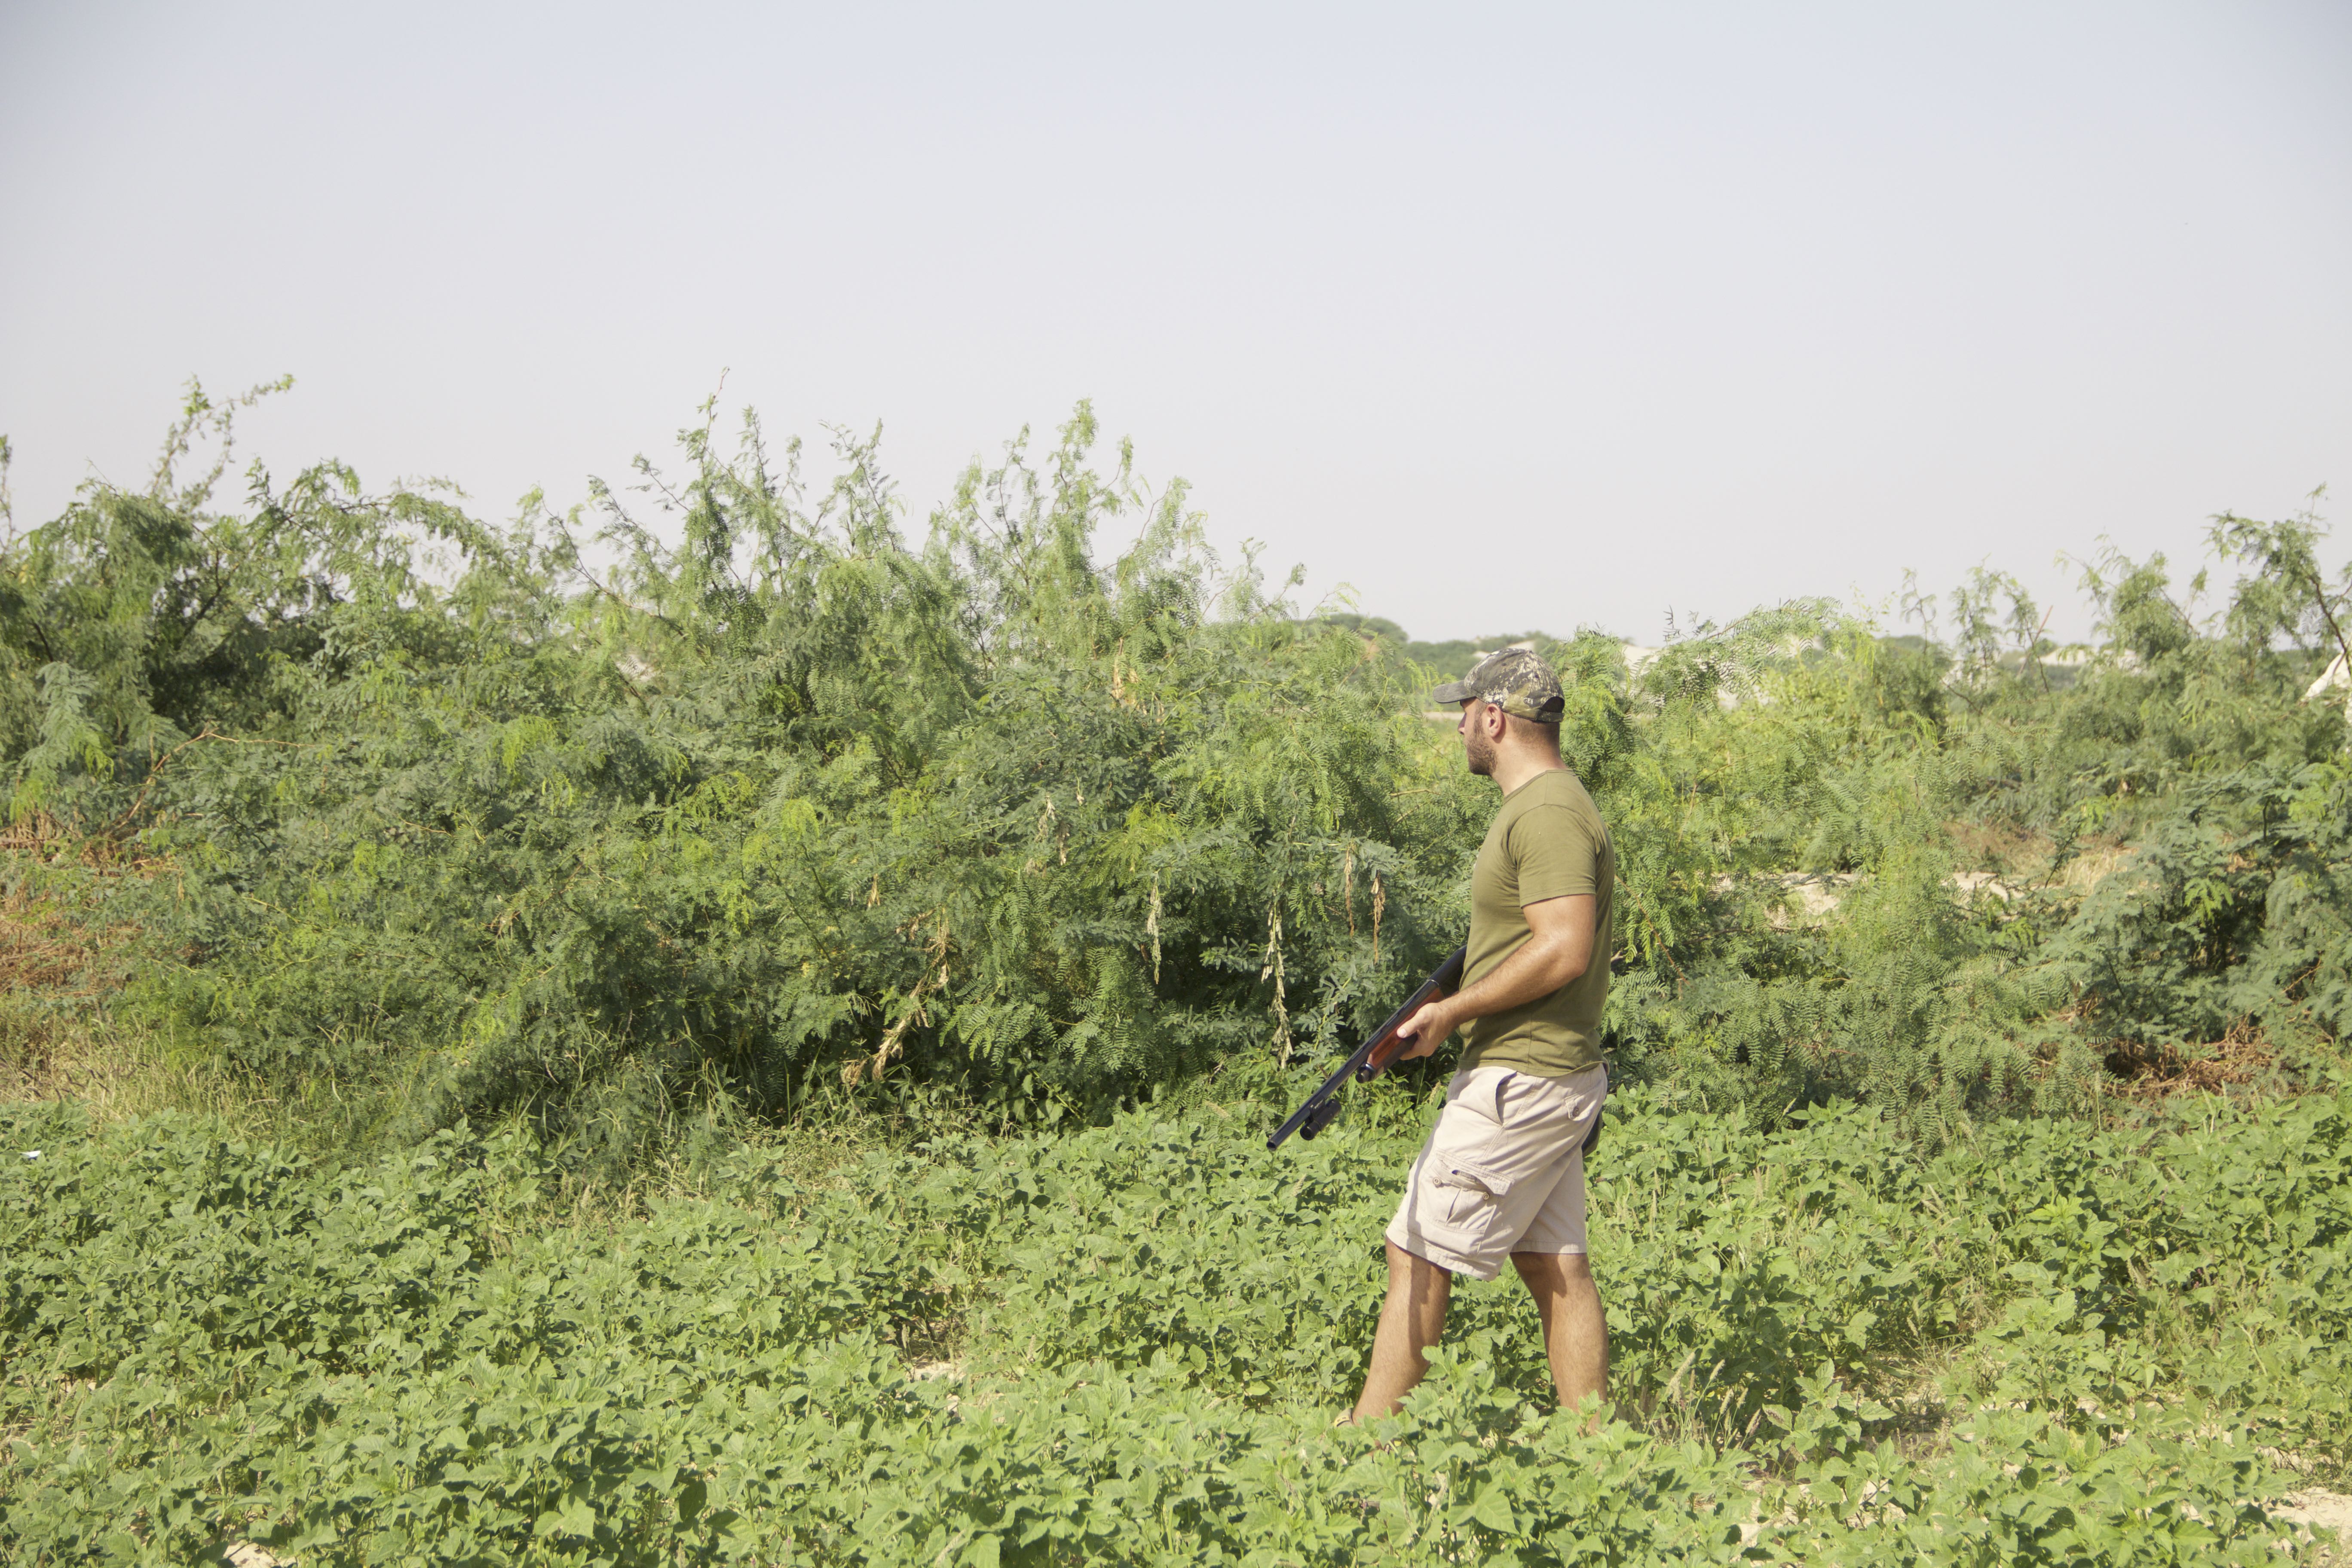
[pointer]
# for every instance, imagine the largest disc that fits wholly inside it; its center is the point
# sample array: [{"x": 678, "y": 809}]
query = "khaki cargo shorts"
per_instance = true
[{"x": 1503, "y": 1171}]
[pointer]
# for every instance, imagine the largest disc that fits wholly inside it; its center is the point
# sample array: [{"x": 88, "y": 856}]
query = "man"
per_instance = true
[{"x": 1503, "y": 1172}]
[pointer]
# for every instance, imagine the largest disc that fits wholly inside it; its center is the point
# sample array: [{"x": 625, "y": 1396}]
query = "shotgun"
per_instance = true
[{"x": 1374, "y": 1056}]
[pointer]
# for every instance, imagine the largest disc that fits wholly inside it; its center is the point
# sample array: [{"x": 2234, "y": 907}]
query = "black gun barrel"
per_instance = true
[
  {"x": 1320, "y": 1108},
  {"x": 1315, "y": 1101}
]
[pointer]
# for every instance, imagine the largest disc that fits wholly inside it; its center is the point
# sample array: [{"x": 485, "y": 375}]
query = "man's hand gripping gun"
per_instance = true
[{"x": 1374, "y": 1056}]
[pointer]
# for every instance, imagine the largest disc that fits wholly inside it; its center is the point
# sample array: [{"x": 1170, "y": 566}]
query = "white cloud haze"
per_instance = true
[{"x": 1509, "y": 317}]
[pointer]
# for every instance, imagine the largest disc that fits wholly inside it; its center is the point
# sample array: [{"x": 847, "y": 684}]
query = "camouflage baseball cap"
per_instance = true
[{"x": 1514, "y": 680}]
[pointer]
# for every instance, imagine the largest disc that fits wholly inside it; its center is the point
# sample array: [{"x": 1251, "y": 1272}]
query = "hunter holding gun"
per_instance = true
[{"x": 1503, "y": 1172}]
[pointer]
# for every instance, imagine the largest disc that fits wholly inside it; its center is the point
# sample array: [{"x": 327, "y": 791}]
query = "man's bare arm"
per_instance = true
[{"x": 1558, "y": 951}]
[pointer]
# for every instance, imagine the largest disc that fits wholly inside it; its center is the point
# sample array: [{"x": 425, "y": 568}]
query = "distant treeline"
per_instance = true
[
  {"x": 1444, "y": 660},
  {"x": 723, "y": 795}
]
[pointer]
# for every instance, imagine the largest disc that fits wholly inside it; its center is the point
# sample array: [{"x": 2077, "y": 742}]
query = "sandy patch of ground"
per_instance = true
[{"x": 2322, "y": 1510}]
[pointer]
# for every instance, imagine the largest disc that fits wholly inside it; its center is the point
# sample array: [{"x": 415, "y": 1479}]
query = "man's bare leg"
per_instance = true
[
  {"x": 1411, "y": 1320},
  {"x": 1576, "y": 1334}
]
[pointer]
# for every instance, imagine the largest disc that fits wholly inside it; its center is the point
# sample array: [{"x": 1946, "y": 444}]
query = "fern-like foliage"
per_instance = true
[{"x": 722, "y": 794}]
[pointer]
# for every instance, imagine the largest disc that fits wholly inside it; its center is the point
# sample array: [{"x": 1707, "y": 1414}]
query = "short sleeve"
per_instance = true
[{"x": 1555, "y": 854}]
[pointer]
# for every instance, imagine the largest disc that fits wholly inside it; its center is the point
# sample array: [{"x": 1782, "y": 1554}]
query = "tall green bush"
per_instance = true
[
  {"x": 788, "y": 801},
  {"x": 722, "y": 793}
]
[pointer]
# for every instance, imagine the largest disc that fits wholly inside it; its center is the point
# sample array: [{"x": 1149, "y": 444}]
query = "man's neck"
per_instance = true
[{"x": 1514, "y": 768}]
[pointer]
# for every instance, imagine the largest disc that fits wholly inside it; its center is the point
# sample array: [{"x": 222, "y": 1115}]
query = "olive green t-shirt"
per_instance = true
[{"x": 1548, "y": 841}]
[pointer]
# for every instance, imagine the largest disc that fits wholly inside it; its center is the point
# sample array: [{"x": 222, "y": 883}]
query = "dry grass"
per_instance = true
[
  {"x": 58, "y": 972},
  {"x": 1993, "y": 854},
  {"x": 2093, "y": 866},
  {"x": 44, "y": 951},
  {"x": 2011, "y": 854},
  {"x": 2245, "y": 1056},
  {"x": 54, "y": 975}
]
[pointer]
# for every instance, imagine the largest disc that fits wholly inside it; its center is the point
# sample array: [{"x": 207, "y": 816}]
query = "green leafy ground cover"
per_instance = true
[{"x": 1128, "y": 1344}]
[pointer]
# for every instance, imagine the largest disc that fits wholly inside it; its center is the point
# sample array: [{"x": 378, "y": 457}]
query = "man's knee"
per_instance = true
[
  {"x": 1567, "y": 1262},
  {"x": 1404, "y": 1264},
  {"x": 1416, "y": 1279},
  {"x": 1547, "y": 1273}
]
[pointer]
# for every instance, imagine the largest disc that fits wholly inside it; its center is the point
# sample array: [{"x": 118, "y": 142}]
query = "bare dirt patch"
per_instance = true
[{"x": 2318, "y": 1509}]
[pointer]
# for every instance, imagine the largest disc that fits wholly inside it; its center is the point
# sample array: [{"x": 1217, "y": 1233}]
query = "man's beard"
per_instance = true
[{"x": 1480, "y": 752}]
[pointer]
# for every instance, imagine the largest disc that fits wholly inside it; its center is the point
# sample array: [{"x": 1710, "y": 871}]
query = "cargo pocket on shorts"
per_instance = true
[{"x": 1470, "y": 1202}]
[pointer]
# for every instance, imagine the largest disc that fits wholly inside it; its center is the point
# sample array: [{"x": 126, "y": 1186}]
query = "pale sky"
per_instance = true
[{"x": 1509, "y": 317}]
